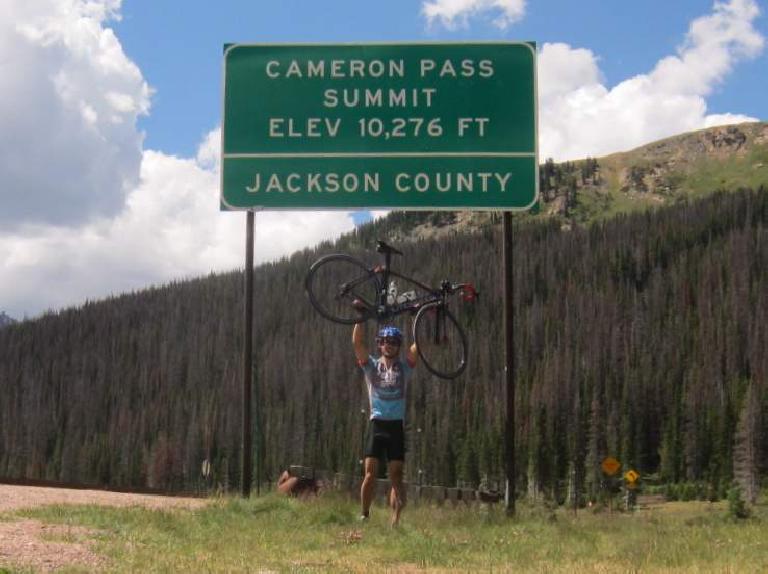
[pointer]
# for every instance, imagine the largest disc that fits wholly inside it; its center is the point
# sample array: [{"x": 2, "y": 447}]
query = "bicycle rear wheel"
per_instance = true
[
  {"x": 440, "y": 341},
  {"x": 335, "y": 281}
]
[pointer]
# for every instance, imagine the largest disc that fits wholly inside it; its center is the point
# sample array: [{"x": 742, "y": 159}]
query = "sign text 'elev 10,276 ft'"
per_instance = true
[{"x": 410, "y": 126}]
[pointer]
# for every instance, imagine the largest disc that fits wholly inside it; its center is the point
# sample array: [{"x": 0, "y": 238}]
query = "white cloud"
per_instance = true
[
  {"x": 453, "y": 13},
  {"x": 713, "y": 120},
  {"x": 69, "y": 148},
  {"x": 580, "y": 116},
  {"x": 209, "y": 152},
  {"x": 170, "y": 228}
]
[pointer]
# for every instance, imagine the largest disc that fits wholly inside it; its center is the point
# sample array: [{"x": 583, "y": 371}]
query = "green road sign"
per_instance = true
[{"x": 416, "y": 126}]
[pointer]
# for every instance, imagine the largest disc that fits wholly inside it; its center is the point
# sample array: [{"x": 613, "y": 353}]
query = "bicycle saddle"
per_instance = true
[{"x": 382, "y": 247}]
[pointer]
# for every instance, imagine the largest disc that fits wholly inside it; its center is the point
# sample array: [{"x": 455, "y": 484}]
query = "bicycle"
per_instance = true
[{"x": 345, "y": 290}]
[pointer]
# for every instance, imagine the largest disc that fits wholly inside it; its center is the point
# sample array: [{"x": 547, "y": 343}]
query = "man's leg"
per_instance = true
[
  {"x": 397, "y": 494},
  {"x": 369, "y": 484}
]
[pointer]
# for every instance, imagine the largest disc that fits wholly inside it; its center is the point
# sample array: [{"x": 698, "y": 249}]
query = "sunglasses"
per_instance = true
[{"x": 389, "y": 341}]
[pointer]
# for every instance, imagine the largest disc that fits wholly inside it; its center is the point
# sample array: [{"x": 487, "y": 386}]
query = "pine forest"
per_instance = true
[{"x": 643, "y": 337}]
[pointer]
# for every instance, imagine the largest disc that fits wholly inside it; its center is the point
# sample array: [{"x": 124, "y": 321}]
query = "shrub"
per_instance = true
[
  {"x": 737, "y": 507},
  {"x": 689, "y": 492},
  {"x": 672, "y": 492}
]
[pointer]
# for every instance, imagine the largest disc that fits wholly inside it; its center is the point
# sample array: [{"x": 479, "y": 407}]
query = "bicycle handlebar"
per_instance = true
[{"x": 469, "y": 293}]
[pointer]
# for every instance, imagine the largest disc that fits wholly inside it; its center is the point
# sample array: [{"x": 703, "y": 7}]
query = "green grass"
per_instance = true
[
  {"x": 730, "y": 173},
  {"x": 288, "y": 535}
]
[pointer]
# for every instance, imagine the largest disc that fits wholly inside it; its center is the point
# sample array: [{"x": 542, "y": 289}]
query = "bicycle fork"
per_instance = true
[
  {"x": 440, "y": 332},
  {"x": 381, "y": 311}
]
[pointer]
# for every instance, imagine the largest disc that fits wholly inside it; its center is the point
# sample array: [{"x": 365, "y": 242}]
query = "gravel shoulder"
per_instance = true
[{"x": 46, "y": 548}]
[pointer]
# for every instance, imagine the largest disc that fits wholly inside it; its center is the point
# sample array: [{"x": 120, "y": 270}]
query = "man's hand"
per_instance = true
[
  {"x": 413, "y": 355},
  {"x": 359, "y": 306}
]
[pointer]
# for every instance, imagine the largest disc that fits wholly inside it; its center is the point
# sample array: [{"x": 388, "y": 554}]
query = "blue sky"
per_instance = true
[{"x": 110, "y": 115}]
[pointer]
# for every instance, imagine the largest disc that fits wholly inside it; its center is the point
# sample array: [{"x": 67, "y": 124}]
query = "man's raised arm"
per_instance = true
[
  {"x": 412, "y": 356},
  {"x": 358, "y": 341}
]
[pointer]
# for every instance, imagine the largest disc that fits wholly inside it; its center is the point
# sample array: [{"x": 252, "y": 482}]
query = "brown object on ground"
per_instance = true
[
  {"x": 297, "y": 485},
  {"x": 47, "y": 548}
]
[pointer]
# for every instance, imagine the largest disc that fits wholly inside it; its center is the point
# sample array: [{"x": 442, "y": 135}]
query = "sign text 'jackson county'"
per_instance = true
[{"x": 360, "y": 126}]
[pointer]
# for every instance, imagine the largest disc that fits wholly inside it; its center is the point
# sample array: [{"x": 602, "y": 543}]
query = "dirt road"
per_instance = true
[{"x": 31, "y": 544}]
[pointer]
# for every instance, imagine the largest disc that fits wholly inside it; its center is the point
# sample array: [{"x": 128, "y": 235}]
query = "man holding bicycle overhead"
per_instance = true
[{"x": 386, "y": 377}]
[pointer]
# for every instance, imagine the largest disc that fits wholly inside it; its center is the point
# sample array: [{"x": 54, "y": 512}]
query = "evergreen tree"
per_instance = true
[{"x": 745, "y": 452}]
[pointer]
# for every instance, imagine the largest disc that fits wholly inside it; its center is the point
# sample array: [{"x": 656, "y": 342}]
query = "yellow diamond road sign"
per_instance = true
[
  {"x": 631, "y": 476},
  {"x": 610, "y": 466}
]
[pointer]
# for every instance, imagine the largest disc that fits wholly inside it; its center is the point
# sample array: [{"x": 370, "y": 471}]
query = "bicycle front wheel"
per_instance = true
[
  {"x": 335, "y": 281},
  {"x": 440, "y": 341}
]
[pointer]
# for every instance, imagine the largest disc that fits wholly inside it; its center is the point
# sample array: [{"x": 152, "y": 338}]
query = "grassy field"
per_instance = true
[{"x": 275, "y": 534}]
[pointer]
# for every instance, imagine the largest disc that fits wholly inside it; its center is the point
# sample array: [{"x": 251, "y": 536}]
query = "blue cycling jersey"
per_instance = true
[{"x": 386, "y": 388}]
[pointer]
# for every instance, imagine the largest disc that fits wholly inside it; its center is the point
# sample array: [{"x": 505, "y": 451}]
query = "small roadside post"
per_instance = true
[
  {"x": 610, "y": 466},
  {"x": 631, "y": 477}
]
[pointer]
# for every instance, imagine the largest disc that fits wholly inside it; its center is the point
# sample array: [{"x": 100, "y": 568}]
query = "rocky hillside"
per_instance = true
[
  {"x": 684, "y": 166},
  {"x": 669, "y": 171}
]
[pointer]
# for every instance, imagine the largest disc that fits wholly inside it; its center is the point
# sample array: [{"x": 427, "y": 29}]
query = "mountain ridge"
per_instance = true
[{"x": 674, "y": 169}]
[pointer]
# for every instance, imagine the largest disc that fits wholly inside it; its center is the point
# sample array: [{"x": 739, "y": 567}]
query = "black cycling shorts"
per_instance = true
[{"x": 386, "y": 440}]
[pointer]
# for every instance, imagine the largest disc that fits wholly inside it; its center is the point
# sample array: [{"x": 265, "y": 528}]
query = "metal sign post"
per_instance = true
[
  {"x": 247, "y": 455},
  {"x": 509, "y": 368}
]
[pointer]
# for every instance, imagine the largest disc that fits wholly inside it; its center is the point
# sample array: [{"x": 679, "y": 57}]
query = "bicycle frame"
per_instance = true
[{"x": 386, "y": 310}]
